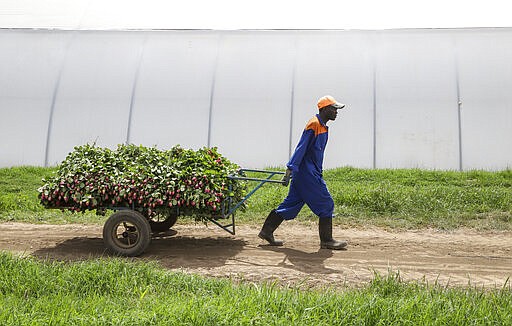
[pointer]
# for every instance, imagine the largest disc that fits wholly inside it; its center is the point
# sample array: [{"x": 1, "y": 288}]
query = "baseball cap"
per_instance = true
[{"x": 329, "y": 100}]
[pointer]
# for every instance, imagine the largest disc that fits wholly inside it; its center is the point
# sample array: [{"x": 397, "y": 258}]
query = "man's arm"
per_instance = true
[{"x": 305, "y": 141}]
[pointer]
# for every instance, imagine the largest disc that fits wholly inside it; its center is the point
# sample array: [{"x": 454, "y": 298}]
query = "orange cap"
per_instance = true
[{"x": 329, "y": 100}]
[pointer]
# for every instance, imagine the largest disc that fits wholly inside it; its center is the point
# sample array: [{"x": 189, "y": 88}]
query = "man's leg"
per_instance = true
[
  {"x": 269, "y": 226},
  {"x": 325, "y": 232},
  {"x": 321, "y": 203},
  {"x": 287, "y": 210}
]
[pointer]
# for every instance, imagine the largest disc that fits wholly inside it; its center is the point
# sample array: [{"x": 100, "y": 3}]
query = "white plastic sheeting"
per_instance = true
[
  {"x": 416, "y": 96},
  {"x": 437, "y": 99},
  {"x": 92, "y": 97},
  {"x": 172, "y": 95},
  {"x": 485, "y": 70}
]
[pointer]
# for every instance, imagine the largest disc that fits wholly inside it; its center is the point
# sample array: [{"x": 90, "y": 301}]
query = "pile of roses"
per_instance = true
[{"x": 146, "y": 178}]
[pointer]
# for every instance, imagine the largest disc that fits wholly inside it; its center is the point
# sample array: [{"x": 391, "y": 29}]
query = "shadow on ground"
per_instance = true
[
  {"x": 302, "y": 261},
  {"x": 169, "y": 251}
]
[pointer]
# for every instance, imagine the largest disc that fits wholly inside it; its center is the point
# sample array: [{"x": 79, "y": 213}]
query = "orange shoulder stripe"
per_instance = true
[{"x": 316, "y": 126}]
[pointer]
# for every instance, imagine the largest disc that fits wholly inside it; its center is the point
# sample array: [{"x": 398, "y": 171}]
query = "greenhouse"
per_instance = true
[{"x": 416, "y": 98}]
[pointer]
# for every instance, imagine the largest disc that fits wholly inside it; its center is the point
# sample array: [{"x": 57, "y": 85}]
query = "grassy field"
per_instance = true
[
  {"x": 120, "y": 292},
  {"x": 114, "y": 291},
  {"x": 385, "y": 198},
  {"x": 411, "y": 198}
]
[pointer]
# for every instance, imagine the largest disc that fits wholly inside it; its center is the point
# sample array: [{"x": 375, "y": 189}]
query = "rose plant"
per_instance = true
[{"x": 150, "y": 180}]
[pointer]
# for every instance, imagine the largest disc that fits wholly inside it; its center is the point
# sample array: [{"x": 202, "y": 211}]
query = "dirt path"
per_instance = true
[{"x": 451, "y": 258}]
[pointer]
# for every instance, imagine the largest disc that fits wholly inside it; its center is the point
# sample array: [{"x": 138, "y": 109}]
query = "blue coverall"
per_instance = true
[{"x": 307, "y": 185}]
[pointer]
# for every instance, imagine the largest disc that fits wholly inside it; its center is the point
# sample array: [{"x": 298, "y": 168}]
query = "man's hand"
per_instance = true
[{"x": 286, "y": 178}]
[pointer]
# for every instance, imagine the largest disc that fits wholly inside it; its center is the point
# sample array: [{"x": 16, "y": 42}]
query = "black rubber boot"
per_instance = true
[
  {"x": 271, "y": 224},
  {"x": 326, "y": 240}
]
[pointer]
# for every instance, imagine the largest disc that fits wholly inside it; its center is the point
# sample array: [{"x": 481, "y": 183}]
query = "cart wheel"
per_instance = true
[
  {"x": 127, "y": 233},
  {"x": 162, "y": 222}
]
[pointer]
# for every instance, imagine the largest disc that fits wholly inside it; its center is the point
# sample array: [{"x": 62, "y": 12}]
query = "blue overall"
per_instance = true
[{"x": 307, "y": 185}]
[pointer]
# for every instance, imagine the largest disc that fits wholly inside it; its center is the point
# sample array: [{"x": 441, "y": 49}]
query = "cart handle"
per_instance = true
[
  {"x": 261, "y": 181},
  {"x": 268, "y": 179}
]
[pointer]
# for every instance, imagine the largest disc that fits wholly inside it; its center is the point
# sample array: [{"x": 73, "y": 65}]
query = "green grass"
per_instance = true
[
  {"x": 402, "y": 198},
  {"x": 114, "y": 291},
  {"x": 19, "y": 202},
  {"x": 121, "y": 292},
  {"x": 18, "y": 187},
  {"x": 410, "y": 198}
]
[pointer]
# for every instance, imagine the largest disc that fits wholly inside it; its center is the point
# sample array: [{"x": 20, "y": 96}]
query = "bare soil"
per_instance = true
[{"x": 455, "y": 258}]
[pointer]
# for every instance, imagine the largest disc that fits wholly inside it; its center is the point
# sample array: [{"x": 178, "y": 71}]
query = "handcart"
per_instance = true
[{"x": 129, "y": 230}]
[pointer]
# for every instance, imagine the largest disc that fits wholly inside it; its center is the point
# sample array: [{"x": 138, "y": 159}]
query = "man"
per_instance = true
[{"x": 307, "y": 185}]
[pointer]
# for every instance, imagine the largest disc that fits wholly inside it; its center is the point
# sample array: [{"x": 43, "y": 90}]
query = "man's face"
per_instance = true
[{"x": 332, "y": 113}]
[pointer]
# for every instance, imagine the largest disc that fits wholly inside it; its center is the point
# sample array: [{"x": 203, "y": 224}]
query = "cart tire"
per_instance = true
[
  {"x": 163, "y": 225},
  {"x": 127, "y": 233}
]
